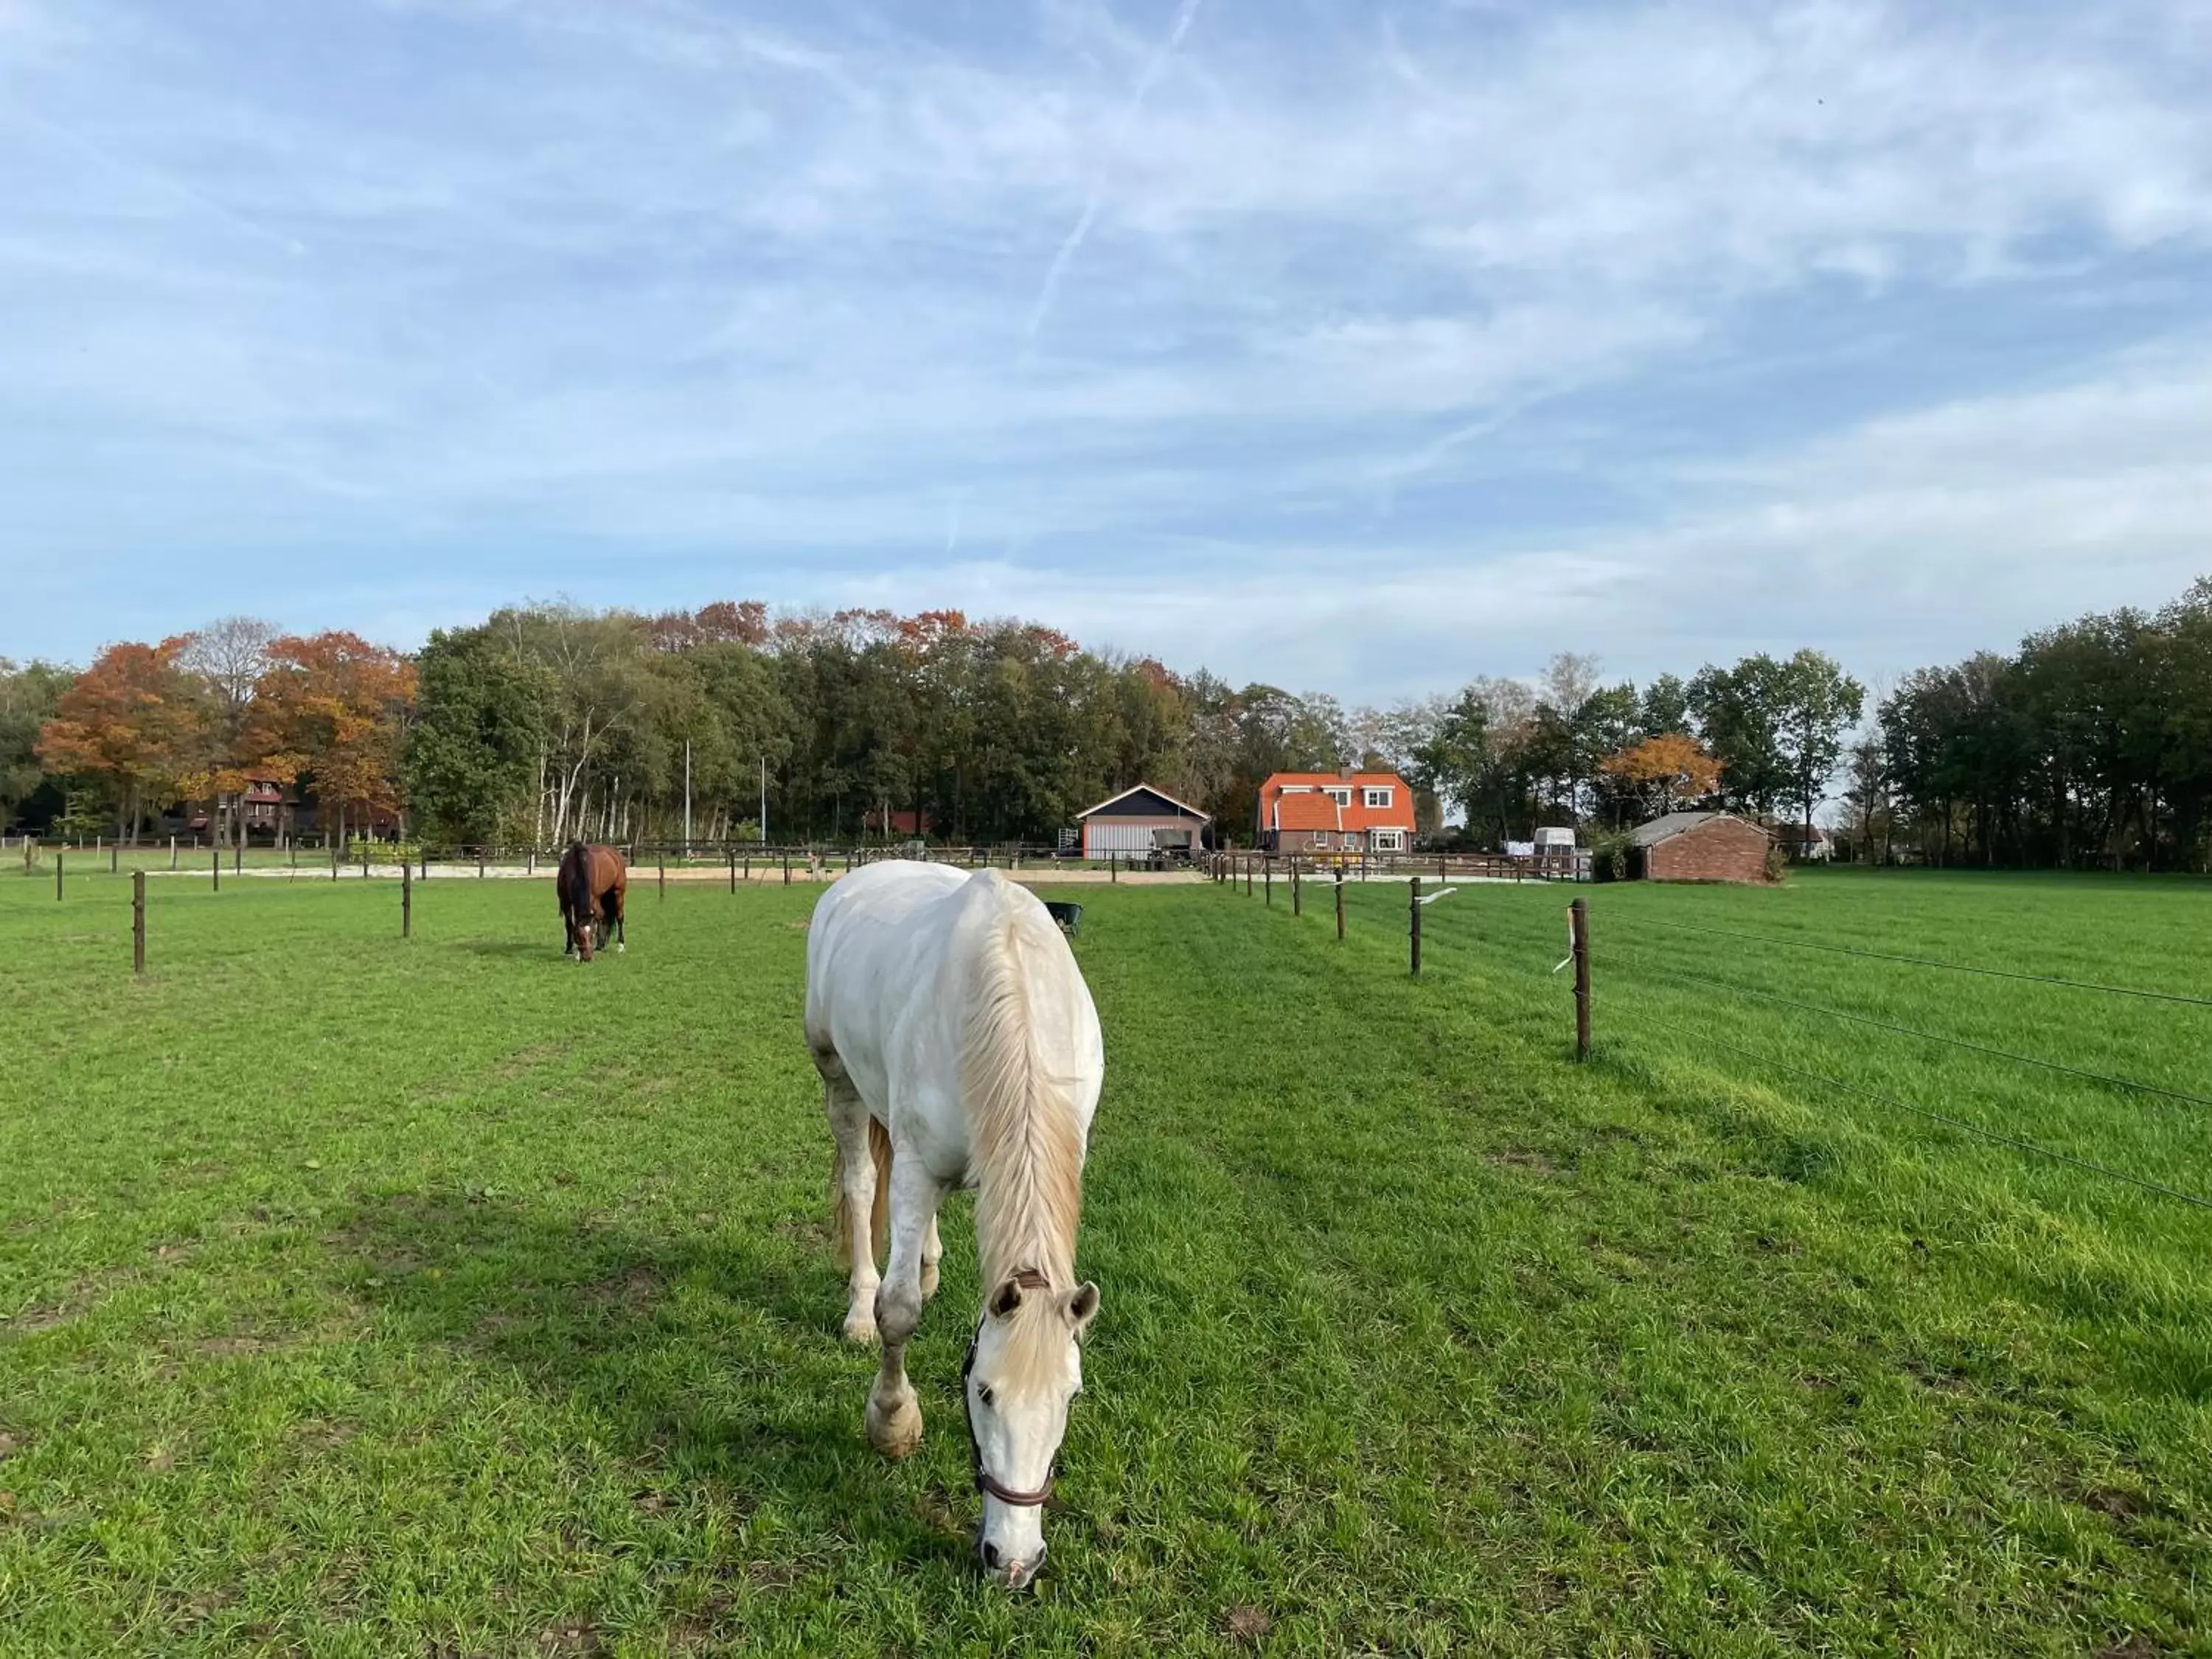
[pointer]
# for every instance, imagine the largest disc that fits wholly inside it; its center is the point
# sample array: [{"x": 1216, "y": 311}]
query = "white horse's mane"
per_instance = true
[{"x": 1025, "y": 1141}]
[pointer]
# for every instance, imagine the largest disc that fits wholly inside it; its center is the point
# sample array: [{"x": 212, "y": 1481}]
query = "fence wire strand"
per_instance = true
[
  {"x": 1513, "y": 937},
  {"x": 2182, "y": 997},
  {"x": 1996, "y": 1137}
]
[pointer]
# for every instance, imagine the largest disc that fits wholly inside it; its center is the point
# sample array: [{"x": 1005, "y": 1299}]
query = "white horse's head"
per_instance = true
[{"x": 1023, "y": 1373}]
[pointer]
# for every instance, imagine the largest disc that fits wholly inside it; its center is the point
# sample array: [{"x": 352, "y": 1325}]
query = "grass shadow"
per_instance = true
[{"x": 707, "y": 1358}]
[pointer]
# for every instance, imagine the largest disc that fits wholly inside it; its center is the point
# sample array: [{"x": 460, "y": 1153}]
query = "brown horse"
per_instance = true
[{"x": 591, "y": 883}]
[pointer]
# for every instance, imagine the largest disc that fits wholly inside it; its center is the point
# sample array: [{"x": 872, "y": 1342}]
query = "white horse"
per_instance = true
[{"x": 958, "y": 1046}]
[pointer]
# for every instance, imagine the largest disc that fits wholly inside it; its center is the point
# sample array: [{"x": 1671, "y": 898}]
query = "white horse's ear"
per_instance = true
[
  {"x": 1005, "y": 1299},
  {"x": 1083, "y": 1305}
]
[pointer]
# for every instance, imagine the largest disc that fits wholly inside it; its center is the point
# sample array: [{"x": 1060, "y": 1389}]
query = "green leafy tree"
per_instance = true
[
  {"x": 1815, "y": 704},
  {"x": 1740, "y": 711},
  {"x": 1664, "y": 709},
  {"x": 474, "y": 749},
  {"x": 29, "y": 696}
]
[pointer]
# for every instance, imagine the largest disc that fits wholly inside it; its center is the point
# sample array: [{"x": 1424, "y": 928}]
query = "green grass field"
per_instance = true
[{"x": 443, "y": 1297}]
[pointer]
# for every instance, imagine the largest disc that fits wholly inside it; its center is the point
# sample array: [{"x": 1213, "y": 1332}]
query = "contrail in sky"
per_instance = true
[
  {"x": 1073, "y": 240},
  {"x": 958, "y": 502},
  {"x": 141, "y": 173}
]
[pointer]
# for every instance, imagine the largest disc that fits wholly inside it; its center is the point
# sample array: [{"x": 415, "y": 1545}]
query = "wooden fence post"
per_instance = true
[
  {"x": 787, "y": 869},
  {"x": 364, "y": 858},
  {"x": 1296, "y": 902},
  {"x": 238, "y": 857},
  {"x": 172, "y": 855},
  {"x": 1114, "y": 869},
  {"x": 137, "y": 922},
  {"x": 406, "y": 899},
  {"x": 662, "y": 865},
  {"x": 216, "y": 873},
  {"x": 114, "y": 857},
  {"x": 1578, "y": 924},
  {"x": 480, "y": 863},
  {"x": 732, "y": 852},
  {"x": 1267, "y": 880},
  {"x": 1340, "y": 904},
  {"x": 58, "y": 875},
  {"x": 1248, "y": 875},
  {"x": 1413, "y": 921}
]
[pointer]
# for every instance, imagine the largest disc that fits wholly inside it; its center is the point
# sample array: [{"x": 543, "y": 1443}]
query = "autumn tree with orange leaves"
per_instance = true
[
  {"x": 134, "y": 723},
  {"x": 330, "y": 712},
  {"x": 1673, "y": 766}
]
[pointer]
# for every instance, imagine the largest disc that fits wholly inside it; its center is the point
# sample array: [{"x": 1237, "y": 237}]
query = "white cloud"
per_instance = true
[
  {"x": 649, "y": 280},
  {"x": 1902, "y": 541}
]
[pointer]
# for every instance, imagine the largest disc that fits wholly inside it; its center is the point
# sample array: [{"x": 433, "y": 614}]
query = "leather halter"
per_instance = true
[{"x": 1028, "y": 1278}]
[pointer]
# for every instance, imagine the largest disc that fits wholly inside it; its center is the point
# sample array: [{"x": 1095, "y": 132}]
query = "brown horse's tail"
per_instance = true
[{"x": 879, "y": 1217}]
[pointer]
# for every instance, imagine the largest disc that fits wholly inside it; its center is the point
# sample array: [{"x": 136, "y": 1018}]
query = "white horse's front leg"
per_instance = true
[{"x": 894, "y": 1413}]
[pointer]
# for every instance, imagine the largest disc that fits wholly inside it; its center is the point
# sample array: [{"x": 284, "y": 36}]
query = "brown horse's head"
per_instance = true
[{"x": 579, "y": 906}]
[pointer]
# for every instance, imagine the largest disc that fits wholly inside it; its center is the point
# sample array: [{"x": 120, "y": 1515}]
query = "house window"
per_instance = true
[
  {"x": 1378, "y": 798},
  {"x": 1321, "y": 841},
  {"x": 1341, "y": 797},
  {"x": 1387, "y": 841}
]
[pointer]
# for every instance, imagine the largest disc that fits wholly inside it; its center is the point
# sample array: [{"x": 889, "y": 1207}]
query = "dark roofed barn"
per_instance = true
[{"x": 1698, "y": 847}]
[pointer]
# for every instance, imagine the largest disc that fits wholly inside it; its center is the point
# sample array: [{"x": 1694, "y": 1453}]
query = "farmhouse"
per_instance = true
[
  {"x": 264, "y": 808},
  {"x": 1805, "y": 843},
  {"x": 1123, "y": 825},
  {"x": 1698, "y": 847},
  {"x": 1340, "y": 811}
]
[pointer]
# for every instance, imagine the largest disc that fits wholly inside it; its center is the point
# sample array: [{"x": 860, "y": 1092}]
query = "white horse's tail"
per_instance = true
[
  {"x": 879, "y": 1217},
  {"x": 1025, "y": 1139}
]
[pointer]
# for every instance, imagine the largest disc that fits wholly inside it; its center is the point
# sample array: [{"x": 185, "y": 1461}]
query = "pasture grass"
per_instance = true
[{"x": 371, "y": 1297}]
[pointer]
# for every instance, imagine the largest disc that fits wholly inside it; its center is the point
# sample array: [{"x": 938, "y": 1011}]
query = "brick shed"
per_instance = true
[{"x": 1698, "y": 847}]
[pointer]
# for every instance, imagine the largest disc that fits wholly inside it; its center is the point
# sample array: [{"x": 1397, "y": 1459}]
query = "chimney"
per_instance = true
[{"x": 1345, "y": 772}]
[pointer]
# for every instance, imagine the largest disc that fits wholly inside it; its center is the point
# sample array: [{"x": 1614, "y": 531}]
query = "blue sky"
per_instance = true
[{"x": 1361, "y": 348}]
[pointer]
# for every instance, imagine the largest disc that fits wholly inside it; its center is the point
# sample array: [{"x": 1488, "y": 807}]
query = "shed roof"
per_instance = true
[
  {"x": 1187, "y": 809},
  {"x": 1673, "y": 824}
]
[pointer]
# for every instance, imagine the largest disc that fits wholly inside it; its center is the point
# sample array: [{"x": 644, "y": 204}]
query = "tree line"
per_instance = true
[
  {"x": 2093, "y": 744},
  {"x": 2089, "y": 746}
]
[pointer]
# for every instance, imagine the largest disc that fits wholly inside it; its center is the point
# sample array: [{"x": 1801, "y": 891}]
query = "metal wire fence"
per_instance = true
[{"x": 1651, "y": 1002}]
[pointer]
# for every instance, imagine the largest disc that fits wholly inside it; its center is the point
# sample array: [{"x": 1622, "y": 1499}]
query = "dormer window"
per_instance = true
[{"x": 1379, "y": 797}]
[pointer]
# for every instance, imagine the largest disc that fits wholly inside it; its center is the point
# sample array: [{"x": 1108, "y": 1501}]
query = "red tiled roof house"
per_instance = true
[{"x": 1340, "y": 811}]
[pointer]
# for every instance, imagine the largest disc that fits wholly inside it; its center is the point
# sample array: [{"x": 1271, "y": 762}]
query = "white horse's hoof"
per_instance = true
[
  {"x": 928, "y": 1279},
  {"x": 896, "y": 1432},
  {"x": 861, "y": 1328},
  {"x": 621, "y": 948}
]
